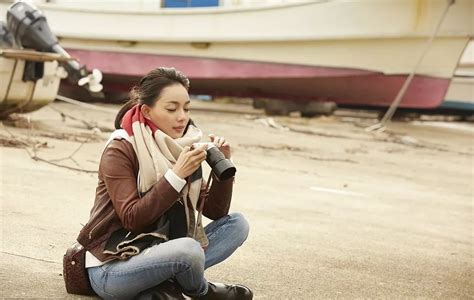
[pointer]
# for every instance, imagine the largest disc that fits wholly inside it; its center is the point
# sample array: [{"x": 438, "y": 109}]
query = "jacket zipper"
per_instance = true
[{"x": 100, "y": 222}]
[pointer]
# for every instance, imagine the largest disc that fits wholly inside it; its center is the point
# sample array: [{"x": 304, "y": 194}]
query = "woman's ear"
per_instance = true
[{"x": 145, "y": 111}]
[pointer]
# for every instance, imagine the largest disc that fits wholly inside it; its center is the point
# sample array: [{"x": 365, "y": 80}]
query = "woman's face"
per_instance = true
[{"x": 171, "y": 111}]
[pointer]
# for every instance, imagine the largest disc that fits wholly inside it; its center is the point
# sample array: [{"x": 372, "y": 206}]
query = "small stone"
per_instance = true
[
  {"x": 96, "y": 130},
  {"x": 408, "y": 140}
]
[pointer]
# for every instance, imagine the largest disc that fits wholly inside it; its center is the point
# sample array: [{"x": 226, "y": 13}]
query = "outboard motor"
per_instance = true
[
  {"x": 30, "y": 30},
  {"x": 6, "y": 38}
]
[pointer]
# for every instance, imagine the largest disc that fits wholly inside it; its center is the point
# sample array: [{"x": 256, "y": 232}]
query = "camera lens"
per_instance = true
[{"x": 222, "y": 167}]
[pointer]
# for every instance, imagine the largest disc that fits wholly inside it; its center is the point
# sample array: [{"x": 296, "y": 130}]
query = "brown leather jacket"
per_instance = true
[{"x": 117, "y": 204}]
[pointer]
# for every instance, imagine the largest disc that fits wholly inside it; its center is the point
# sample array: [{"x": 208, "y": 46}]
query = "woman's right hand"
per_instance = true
[{"x": 189, "y": 161}]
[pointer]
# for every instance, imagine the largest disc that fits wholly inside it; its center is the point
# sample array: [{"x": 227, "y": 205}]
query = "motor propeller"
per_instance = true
[{"x": 92, "y": 81}]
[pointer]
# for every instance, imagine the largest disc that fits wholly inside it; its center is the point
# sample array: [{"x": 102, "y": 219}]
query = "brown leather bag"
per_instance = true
[{"x": 75, "y": 273}]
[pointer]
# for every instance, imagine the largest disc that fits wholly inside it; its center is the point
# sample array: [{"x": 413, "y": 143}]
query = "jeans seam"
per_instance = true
[
  {"x": 205, "y": 289},
  {"x": 137, "y": 270},
  {"x": 105, "y": 283},
  {"x": 92, "y": 281},
  {"x": 101, "y": 289}
]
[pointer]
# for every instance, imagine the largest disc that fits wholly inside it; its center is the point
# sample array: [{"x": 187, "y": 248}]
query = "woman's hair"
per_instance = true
[{"x": 149, "y": 89}]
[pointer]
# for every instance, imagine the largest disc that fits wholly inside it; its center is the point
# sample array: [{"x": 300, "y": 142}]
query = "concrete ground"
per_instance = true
[{"x": 335, "y": 211}]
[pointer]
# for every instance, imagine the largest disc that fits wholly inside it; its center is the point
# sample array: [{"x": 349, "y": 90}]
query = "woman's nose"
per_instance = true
[{"x": 181, "y": 115}]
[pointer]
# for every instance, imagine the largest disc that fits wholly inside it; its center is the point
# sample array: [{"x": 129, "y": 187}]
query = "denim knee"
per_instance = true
[
  {"x": 191, "y": 252},
  {"x": 241, "y": 225}
]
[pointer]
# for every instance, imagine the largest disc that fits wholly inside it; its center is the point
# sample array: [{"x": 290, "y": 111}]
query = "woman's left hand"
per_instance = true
[{"x": 222, "y": 144}]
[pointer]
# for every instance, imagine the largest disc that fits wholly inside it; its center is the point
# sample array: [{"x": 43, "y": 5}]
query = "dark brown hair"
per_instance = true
[{"x": 149, "y": 89}]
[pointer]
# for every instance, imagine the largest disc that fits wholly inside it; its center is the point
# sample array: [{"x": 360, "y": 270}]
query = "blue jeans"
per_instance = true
[{"x": 183, "y": 258}]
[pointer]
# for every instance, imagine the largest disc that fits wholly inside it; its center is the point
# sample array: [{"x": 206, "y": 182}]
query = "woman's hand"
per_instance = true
[
  {"x": 222, "y": 144},
  {"x": 189, "y": 161}
]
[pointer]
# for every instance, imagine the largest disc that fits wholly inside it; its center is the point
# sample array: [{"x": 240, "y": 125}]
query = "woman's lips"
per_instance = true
[{"x": 179, "y": 128}]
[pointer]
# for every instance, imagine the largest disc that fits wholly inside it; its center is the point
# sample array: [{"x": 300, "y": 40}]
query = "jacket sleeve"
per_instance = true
[
  {"x": 136, "y": 214},
  {"x": 220, "y": 196}
]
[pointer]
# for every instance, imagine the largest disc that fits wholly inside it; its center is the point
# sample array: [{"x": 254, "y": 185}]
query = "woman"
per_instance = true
[{"x": 147, "y": 240}]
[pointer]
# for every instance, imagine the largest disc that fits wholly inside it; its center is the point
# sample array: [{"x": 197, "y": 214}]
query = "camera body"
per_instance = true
[{"x": 221, "y": 166}]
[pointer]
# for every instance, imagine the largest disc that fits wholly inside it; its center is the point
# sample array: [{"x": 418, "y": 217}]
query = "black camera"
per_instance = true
[{"x": 221, "y": 166}]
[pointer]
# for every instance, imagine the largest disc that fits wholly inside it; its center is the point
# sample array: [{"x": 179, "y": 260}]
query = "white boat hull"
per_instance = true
[
  {"x": 383, "y": 38},
  {"x": 19, "y": 96}
]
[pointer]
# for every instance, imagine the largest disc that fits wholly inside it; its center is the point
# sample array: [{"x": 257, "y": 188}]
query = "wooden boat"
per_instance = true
[{"x": 29, "y": 80}]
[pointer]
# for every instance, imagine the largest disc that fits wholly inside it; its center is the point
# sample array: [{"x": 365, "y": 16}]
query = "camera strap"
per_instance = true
[
  {"x": 206, "y": 192},
  {"x": 201, "y": 204}
]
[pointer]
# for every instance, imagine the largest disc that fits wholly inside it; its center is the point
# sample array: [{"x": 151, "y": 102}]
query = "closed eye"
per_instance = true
[{"x": 174, "y": 109}]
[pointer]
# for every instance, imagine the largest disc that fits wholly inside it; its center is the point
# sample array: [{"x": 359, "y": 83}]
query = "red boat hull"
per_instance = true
[{"x": 223, "y": 77}]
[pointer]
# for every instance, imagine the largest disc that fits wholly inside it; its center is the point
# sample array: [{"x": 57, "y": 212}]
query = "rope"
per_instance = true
[
  {"x": 85, "y": 105},
  {"x": 381, "y": 126}
]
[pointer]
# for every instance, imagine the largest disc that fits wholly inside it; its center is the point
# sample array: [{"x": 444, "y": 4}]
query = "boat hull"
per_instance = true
[
  {"x": 460, "y": 94},
  {"x": 20, "y": 96},
  {"x": 221, "y": 77}
]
